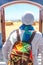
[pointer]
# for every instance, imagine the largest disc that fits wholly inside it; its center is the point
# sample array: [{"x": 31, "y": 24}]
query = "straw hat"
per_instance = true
[{"x": 28, "y": 19}]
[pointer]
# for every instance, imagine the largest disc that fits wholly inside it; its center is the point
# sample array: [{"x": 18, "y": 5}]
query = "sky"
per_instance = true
[{"x": 16, "y": 11}]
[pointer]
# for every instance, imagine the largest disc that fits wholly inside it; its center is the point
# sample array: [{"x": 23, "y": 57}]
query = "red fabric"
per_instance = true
[{"x": 31, "y": 55}]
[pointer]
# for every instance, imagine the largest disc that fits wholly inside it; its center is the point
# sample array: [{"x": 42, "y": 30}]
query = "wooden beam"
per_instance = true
[
  {"x": 3, "y": 25},
  {"x": 21, "y": 2},
  {"x": 40, "y": 22}
]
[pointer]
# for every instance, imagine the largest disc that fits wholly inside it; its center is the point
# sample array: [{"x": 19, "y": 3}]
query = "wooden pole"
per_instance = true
[
  {"x": 3, "y": 25},
  {"x": 40, "y": 22},
  {"x": 0, "y": 20}
]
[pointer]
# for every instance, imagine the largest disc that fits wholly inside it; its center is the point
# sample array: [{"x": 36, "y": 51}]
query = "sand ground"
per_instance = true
[{"x": 9, "y": 28}]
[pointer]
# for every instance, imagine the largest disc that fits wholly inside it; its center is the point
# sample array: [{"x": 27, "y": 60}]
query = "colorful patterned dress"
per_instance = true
[{"x": 21, "y": 53}]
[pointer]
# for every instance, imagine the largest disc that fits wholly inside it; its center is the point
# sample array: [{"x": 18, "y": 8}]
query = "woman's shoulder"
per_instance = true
[
  {"x": 14, "y": 33},
  {"x": 39, "y": 34}
]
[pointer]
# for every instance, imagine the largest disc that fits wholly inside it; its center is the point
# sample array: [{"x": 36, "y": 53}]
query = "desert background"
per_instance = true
[{"x": 10, "y": 26}]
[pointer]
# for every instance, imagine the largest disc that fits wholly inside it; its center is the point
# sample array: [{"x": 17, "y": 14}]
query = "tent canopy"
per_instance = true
[{"x": 6, "y": 1}]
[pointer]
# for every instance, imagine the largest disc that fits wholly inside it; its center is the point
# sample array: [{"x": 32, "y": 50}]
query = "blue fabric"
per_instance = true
[
  {"x": 26, "y": 36},
  {"x": 27, "y": 33},
  {"x": 30, "y": 27}
]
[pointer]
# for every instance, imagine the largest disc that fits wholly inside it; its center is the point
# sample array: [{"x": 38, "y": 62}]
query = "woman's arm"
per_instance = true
[{"x": 6, "y": 49}]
